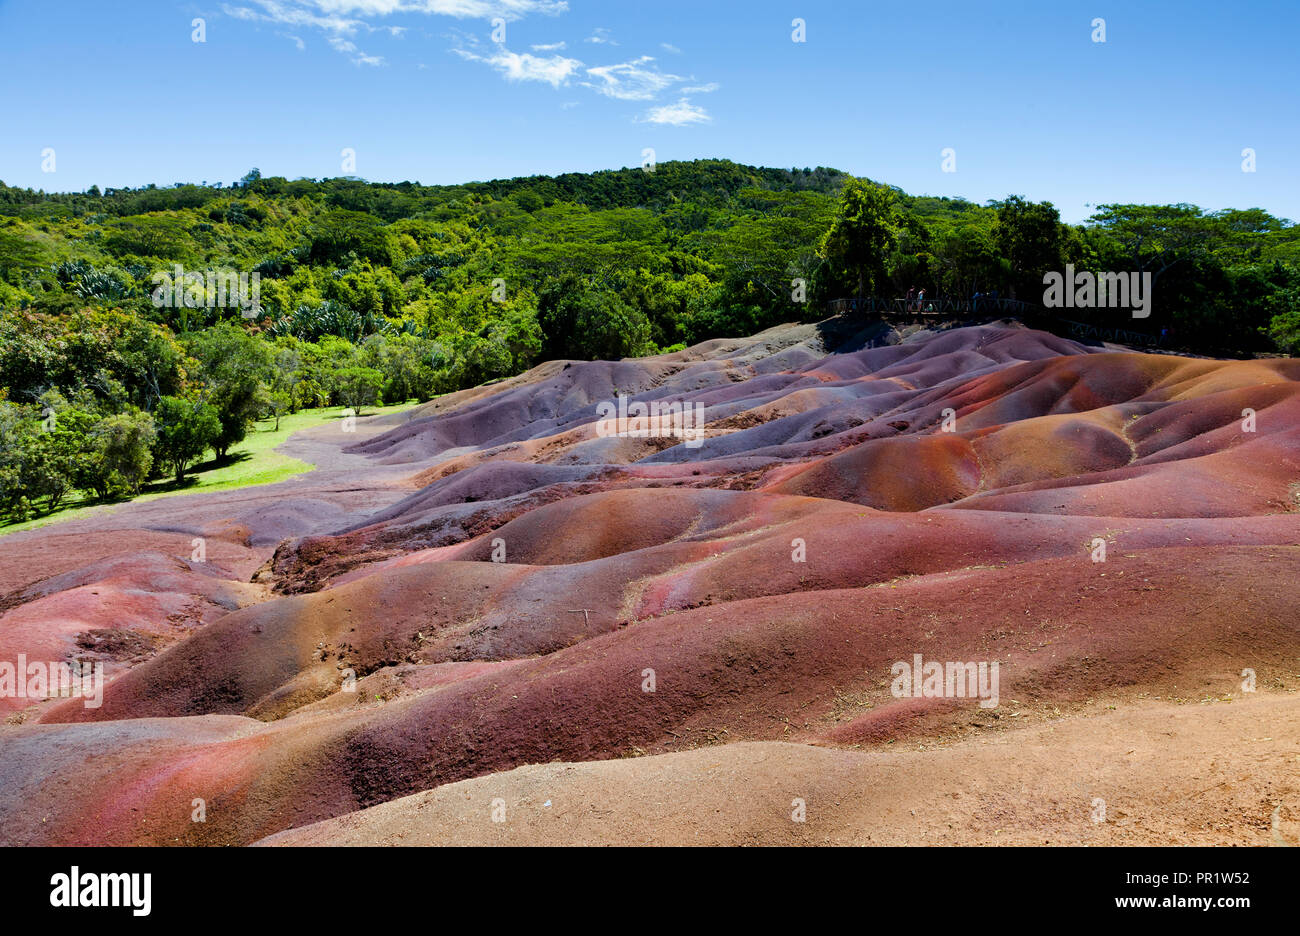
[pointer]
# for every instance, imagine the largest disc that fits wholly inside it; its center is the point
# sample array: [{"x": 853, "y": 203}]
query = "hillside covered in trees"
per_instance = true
[{"x": 392, "y": 292}]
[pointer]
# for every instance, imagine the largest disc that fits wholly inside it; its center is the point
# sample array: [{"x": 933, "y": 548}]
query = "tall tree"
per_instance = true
[
  {"x": 185, "y": 430},
  {"x": 863, "y": 233},
  {"x": 1028, "y": 234},
  {"x": 237, "y": 369},
  {"x": 1155, "y": 237},
  {"x": 123, "y": 444}
]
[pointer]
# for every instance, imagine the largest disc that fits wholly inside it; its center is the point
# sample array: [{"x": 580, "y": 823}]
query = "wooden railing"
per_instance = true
[
  {"x": 1085, "y": 331},
  {"x": 1031, "y": 313},
  {"x": 938, "y": 306}
]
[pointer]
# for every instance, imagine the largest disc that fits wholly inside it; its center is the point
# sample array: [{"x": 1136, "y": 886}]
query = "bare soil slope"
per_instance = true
[{"x": 463, "y": 594}]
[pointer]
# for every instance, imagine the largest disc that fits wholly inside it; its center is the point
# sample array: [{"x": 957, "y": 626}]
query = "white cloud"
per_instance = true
[
  {"x": 327, "y": 12},
  {"x": 343, "y": 21},
  {"x": 462, "y": 9},
  {"x": 347, "y": 47},
  {"x": 290, "y": 14},
  {"x": 600, "y": 36},
  {"x": 637, "y": 79},
  {"x": 462, "y": 39},
  {"x": 631, "y": 81},
  {"x": 345, "y": 17},
  {"x": 677, "y": 115},
  {"x": 555, "y": 70}
]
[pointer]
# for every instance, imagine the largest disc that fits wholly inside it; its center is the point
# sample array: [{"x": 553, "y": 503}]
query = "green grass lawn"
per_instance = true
[{"x": 253, "y": 461}]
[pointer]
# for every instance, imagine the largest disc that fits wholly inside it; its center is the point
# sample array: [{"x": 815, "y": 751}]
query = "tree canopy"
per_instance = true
[{"x": 377, "y": 292}]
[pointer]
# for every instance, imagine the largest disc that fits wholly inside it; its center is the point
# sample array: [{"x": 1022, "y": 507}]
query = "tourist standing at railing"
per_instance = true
[
  {"x": 910, "y": 293},
  {"x": 920, "y": 300}
]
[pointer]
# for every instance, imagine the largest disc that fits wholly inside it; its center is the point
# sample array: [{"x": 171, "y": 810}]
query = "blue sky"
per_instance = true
[{"x": 421, "y": 90}]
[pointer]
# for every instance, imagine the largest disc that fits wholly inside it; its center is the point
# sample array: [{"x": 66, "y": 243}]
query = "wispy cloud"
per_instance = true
[
  {"x": 635, "y": 80},
  {"x": 289, "y": 14},
  {"x": 346, "y": 17},
  {"x": 638, "y": 79},
  {"x": 345, "y": 23},
  {"x": 680, "y": 114},
  {"x": 349, "y": 48},
  {"x": 555, "y": 70}
]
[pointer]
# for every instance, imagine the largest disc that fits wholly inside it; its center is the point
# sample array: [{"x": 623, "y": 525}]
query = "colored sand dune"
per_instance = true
[{"x": 492, "y": 597}]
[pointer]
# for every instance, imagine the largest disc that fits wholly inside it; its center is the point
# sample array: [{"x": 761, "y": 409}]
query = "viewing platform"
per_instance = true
[
  {"x": 939, "y": 307},
  {"x": 1028, "y": 312}
]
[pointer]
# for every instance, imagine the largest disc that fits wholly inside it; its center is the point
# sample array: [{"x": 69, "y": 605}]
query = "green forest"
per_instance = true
[{"x": 371, "y": 292}]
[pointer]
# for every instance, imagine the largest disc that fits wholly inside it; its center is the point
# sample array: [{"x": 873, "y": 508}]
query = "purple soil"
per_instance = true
[{"x": 484, "y": 582}]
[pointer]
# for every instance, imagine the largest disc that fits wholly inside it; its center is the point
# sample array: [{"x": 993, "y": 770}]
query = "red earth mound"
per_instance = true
[{"x": 495, "y": 580}]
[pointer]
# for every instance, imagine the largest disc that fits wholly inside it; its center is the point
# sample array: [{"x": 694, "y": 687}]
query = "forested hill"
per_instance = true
[
  {"x": 663, "y": 256},
  {"x": 687, "y": 251},
  {"x": 125, "y": 328},
  {"x": 710, "y": 182}
]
